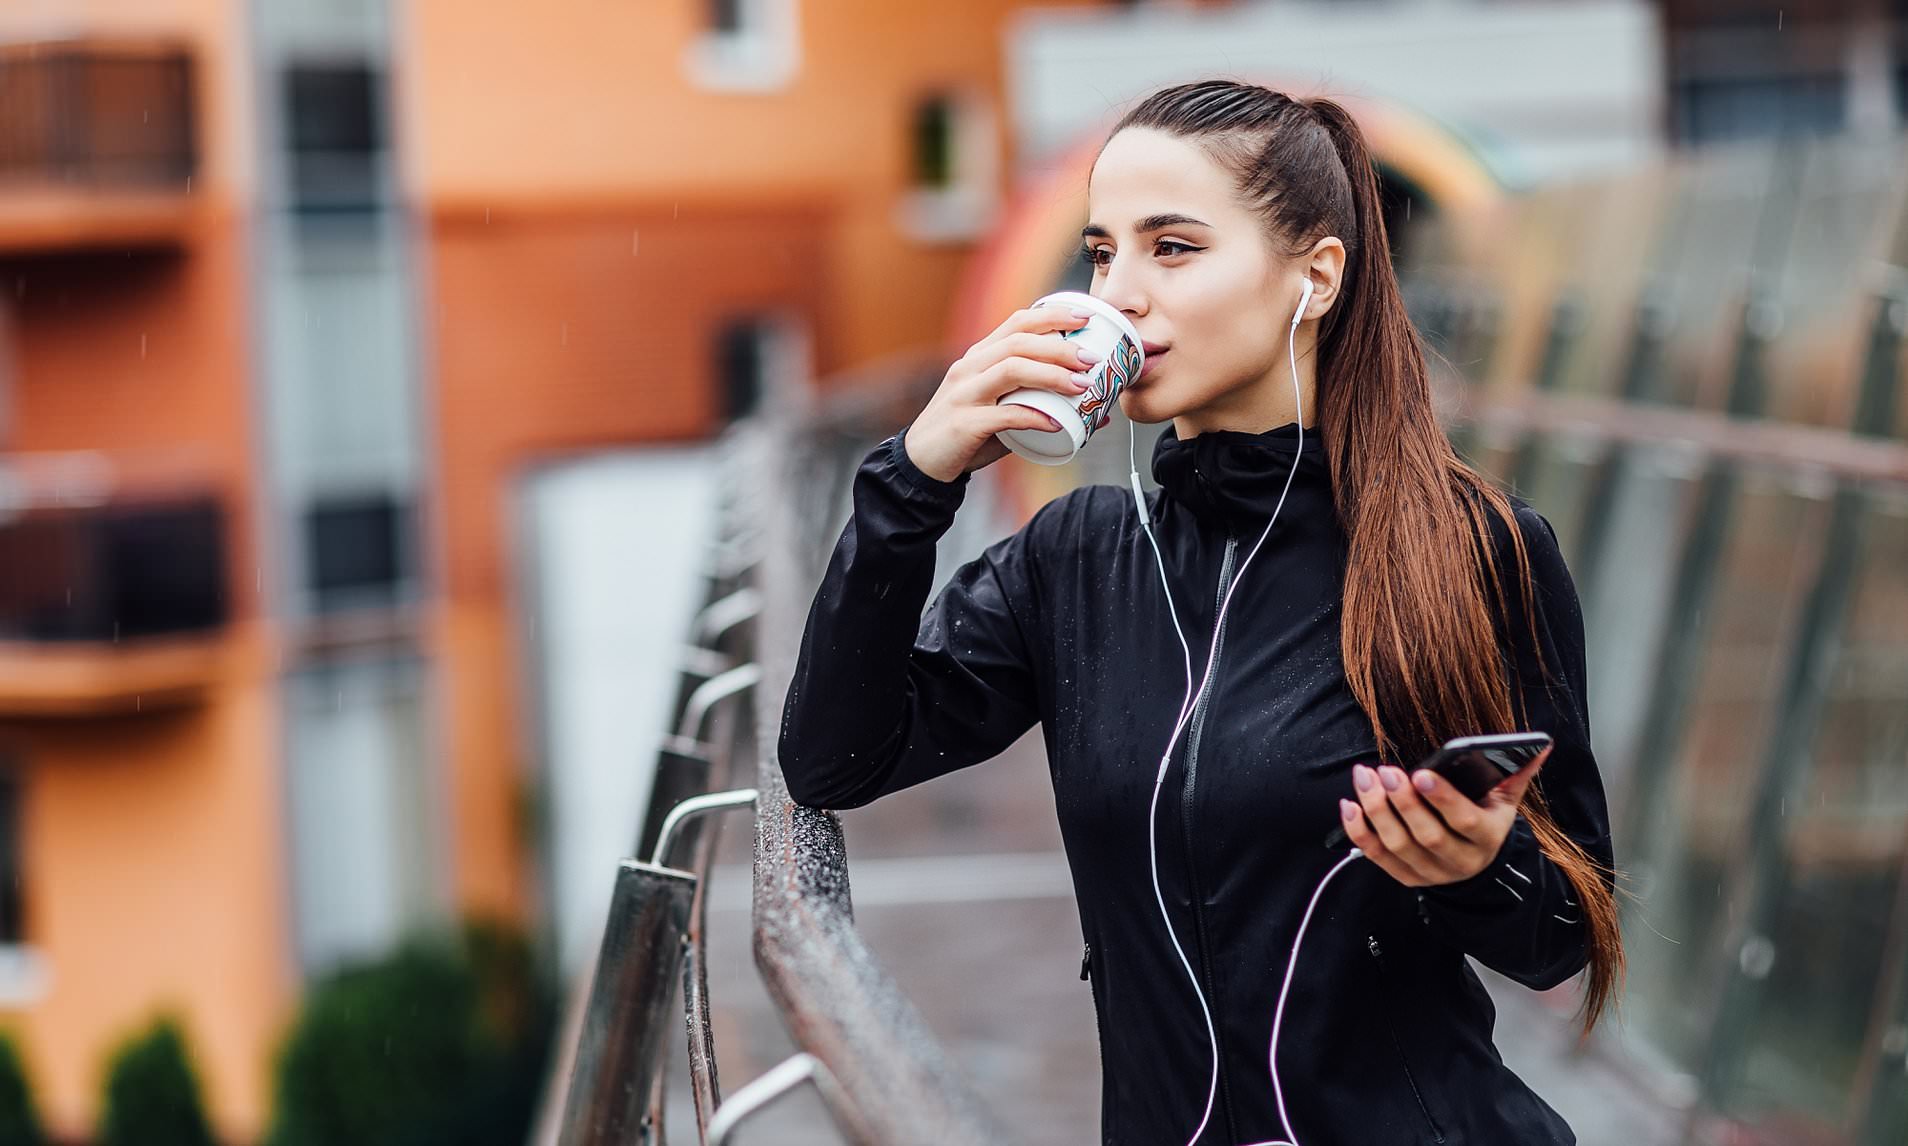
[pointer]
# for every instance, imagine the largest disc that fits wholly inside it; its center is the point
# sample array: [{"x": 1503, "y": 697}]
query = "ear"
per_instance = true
[{"x": 1324, "y": 265}]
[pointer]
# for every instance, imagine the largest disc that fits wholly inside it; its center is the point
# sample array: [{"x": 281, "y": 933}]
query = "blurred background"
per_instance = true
[{"x": 364, "y": 366}]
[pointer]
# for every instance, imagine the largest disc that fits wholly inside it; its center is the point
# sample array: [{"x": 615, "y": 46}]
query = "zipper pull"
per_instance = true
[
  {"x": 1371, "y": 942},
  {"x": 1086, "y": 963}
]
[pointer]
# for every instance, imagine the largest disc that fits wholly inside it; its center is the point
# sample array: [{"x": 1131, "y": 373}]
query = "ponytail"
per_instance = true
[{"x": 1410, "y": 647}]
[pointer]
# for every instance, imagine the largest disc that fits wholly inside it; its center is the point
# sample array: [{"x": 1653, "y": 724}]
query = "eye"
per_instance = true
[{"x": 1166, "y": 247}]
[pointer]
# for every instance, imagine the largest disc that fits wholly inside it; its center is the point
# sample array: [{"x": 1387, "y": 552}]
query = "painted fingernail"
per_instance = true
[
  {"x": 1424, "y": 780},
  {"x": 1361, "y": 777},
  {"x": 1080, "y": 382},
  {"x": 1348, "y": 810},
  {"x": 1088, "y": 355},
  {"x": 1393, "y": 779},
  {"x": 1081, "y": 312}
]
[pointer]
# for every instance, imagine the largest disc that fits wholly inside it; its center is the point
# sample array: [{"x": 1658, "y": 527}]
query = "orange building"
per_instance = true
[{"x": 287, "y": 306}]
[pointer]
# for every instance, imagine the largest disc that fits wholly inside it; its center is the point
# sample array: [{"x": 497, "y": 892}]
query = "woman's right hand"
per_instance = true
[{"x": 955, "y": 432}]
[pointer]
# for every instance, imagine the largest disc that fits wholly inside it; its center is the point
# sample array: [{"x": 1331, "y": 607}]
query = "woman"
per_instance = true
[{"x": 1395, "y": 600}]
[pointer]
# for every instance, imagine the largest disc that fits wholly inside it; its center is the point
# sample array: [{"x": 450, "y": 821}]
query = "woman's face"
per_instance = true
[{"x": 1193, "y": 268}]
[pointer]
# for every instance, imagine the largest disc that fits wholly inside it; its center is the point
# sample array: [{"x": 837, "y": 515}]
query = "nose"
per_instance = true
[{"x": 1121, "y": 287}]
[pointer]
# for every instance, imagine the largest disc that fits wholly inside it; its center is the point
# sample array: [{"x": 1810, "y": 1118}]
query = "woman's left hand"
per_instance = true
[{"x": 1422, "y": 830}]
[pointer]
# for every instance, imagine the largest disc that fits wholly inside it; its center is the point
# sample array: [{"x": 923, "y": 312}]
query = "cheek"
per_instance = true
[
  {"x": 1238, "y": 348},
  {"x": 1225, "y": 317}
]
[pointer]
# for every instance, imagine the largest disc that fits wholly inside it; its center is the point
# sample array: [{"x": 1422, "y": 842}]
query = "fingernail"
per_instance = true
[
  {"x": 1348, "y": 810},
  {"x": 1393, "y": 779},
  {"x": 1361, "y": 777},
  {"x": 1079, "y": 312},
  {"x": 1080, "y": 382},
  {"x": 1424, "y": 780},
  {"x": 1088, "y": 355}
]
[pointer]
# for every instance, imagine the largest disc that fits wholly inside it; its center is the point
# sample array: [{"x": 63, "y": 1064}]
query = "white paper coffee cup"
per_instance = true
[{"x": 1079, "y": 415}]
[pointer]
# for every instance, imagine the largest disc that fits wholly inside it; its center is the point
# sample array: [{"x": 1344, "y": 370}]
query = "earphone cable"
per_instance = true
[{"x": 1186, "y": 706}]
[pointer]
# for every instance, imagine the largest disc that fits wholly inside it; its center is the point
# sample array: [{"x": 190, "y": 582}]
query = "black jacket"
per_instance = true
[{"x": 1387, "y": 1035}]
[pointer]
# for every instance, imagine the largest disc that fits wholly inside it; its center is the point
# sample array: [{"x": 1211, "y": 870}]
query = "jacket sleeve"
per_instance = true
[
  {"x": 1520, "y": 915},
  {"x": 883, "y": 696}
]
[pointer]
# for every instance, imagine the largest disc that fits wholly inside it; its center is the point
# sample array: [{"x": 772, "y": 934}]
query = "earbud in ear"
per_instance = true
[{"x": 1305, "y": 297}]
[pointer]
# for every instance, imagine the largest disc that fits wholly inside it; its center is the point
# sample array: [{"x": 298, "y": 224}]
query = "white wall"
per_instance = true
[
  {"x": 612, "y": 554},
  {"x": 1544, "y": 89}
]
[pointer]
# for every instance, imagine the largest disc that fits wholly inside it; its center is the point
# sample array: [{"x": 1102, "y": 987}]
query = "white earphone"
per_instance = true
[{"x": 1185, "y": 708}]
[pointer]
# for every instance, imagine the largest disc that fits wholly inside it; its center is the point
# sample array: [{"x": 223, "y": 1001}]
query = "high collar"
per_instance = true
[{"x": 1234, "y": 478}]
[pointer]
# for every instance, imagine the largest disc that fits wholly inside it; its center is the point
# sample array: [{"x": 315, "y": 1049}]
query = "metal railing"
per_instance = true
[{"x": 864, "y": 1048}]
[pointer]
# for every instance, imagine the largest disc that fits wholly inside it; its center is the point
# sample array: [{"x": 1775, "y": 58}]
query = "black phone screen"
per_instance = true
[{"x": 1476, "y": 764}]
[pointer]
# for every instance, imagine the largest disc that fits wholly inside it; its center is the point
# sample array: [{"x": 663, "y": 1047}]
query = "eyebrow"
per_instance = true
[{"x": 1145, "y": 226}]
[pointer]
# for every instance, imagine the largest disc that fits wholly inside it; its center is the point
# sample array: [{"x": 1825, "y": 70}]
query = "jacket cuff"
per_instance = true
[
  {"x": 912, "y": 479},
  {"x": 1509, "y": 883}
]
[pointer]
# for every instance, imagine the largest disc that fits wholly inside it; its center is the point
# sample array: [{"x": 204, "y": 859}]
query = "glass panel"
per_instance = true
[
  {"x": 1620, "y": 232},
  {"x": 1493, "y": 451},
  {"x": 1901, "y": 400},
  {"x": 1454, "y": 273},
  {"x": 1708, "y": 249},
  {"x": 1554, "y": 476},
  {"x": 1845, "y": 202},
  {"x": 1626, "y": 588},
  {"x": 1685, "y": 862},
  {"x": 1800, "y": 1064}
]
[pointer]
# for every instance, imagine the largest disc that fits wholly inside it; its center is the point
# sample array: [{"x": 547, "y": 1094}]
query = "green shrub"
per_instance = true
[
  {"x": 19, "y": 1121},
  {"x": 441, "y": 1043},
  {"x": 152, "y": 1096}
]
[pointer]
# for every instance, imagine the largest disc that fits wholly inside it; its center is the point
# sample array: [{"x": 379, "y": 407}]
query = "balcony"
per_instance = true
[
  {"x": 97, "y": 147},
  {"x": 110, "y": 607}
]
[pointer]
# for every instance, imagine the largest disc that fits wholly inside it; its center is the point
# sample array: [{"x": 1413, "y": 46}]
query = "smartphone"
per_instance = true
[{"x": 1476, "y": 764}]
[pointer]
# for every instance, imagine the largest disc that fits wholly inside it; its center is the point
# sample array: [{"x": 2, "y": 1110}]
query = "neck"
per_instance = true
[{"x": 1266, "y": 403}]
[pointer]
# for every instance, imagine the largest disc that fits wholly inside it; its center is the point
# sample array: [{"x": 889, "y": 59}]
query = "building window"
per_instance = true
[
  {"x": 746, "y": 46},
  {"x": 1726, "y": 109},
  {"x": 334, "y": 135},
  {"x": 934, "y": 143},
  {"x": 355, "y": 549},
  {"x": 759, "y": 359},
  {"x": 726, "y": 17},
  {"x": 954, "y": 167},
  {"x": 114, "y": 572},
  {"x": 12, "y": 895},
  {"x": 23, "y": 977}
]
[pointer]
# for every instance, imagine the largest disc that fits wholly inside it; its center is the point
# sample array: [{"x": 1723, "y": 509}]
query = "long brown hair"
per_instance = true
[{"x": 1421, "y": 650}]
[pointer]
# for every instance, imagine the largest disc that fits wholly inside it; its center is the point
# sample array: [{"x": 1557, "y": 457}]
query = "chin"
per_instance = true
[
  {"x": 1135, "y": 407},
  {"x": 1146, "y": 405}
]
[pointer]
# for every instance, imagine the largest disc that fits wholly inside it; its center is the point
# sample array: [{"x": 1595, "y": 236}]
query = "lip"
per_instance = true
[
  {"x": 1152, "y": 358},
  {"x": 1153, "y": 348}
]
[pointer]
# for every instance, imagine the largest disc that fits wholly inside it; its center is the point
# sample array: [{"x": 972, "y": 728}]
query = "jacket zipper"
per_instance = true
[
  {"x": 1186, "y": 823},
  {"x": 1437, "y": 1132}
]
